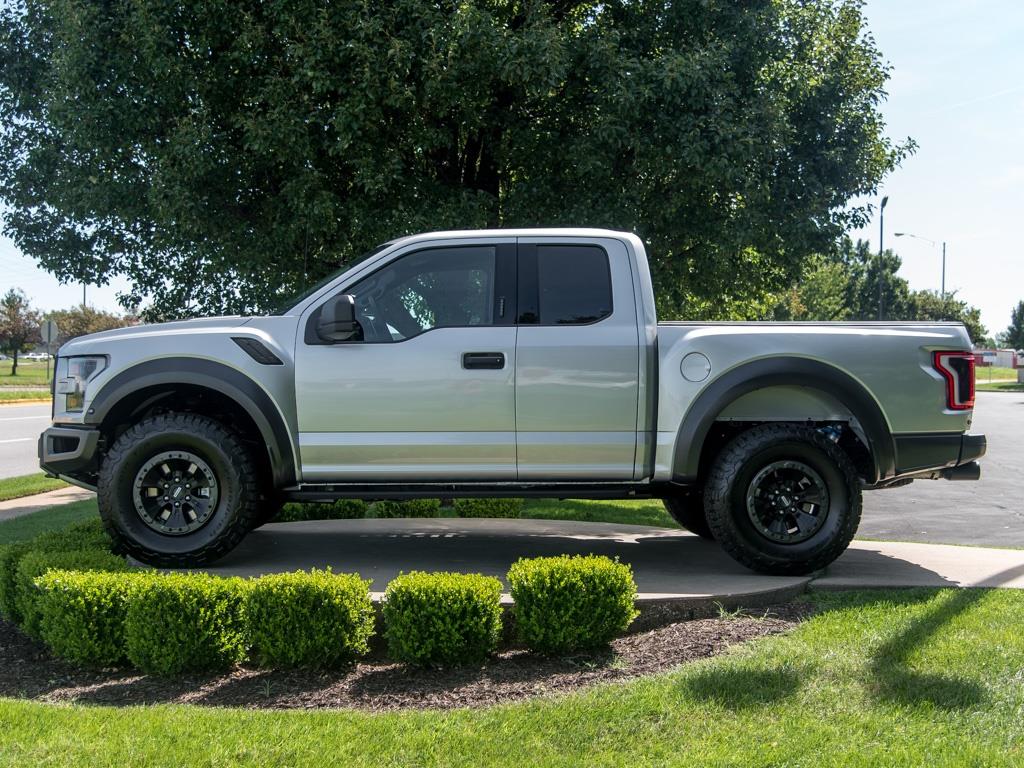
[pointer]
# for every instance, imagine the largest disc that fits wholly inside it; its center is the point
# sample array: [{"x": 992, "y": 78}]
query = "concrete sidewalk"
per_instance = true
[
  {"x": 668, "y": 565},
  {"x": 26, "y": 505}
]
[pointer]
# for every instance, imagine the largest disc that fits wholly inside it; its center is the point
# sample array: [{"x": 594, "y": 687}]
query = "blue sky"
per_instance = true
[{"x": 957, "y": 88}]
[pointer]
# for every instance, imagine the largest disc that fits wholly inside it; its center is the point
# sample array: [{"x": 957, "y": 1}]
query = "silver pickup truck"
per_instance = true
[{"x": 507, "y": 363}]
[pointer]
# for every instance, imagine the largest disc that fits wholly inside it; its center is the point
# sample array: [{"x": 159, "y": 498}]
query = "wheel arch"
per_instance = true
[
  {"x": 827, "y": 384},
  {"x": 147, "y": 383}
]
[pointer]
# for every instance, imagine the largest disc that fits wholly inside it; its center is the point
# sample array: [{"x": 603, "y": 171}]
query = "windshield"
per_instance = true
[{"x": 287, "y": 303}]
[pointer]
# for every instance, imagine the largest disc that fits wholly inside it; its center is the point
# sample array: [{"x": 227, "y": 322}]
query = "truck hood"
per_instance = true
[{"x": 95, "y": 341}]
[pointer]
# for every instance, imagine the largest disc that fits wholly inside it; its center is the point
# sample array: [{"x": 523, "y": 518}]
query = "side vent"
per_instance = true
[{"x": 257, "y": 350}]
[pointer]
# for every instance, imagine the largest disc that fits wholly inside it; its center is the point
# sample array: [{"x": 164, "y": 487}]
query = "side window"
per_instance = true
[
  {"x": 433, "y": 288},
  {"x": 574, "y": 284}
]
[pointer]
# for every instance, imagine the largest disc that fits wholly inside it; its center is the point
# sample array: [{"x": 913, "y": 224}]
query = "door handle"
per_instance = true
[{"x": 494, "y": 361}]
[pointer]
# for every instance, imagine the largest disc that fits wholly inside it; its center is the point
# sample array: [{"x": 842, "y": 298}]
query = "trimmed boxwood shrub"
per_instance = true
[
  {"x": 442, "y": 617},
  {"x": 85, "y": 535},
  {"x": 35, "y": 563},
  {"x": 88, "y": 535},
  {"x": 81, "y": 614},
  {"x": 314, "y": 619},
  {"x": 343, "y": 509},
  {"x": 488, "y": 507},
  {"x": 184, "y": 622},
  {"x": 409, "y": 508},
  {"x": 567, "y": 603},
  {"x": 10, "y": 556}
]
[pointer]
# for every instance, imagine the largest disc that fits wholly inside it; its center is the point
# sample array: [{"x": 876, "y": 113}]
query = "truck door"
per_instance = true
[
  {"x": 427, "y": 393},
  {"x": 577, "y": 361}
]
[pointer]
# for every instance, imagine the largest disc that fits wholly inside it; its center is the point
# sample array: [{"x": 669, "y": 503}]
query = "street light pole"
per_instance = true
[
  {"x": 881, "y": 250},
  {"x": 931, "y": 242}
]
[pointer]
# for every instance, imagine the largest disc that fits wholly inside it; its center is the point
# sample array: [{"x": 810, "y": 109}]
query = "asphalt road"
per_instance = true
[
  {"x": 20, "y": 426},
  {"x": 989, "y": 512}
]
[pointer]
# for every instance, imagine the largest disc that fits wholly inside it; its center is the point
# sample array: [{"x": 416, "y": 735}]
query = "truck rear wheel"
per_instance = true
[
  {"x": 178, "y": 490},
  {"x": 687, "y": 509},
  {"x": 783, "y": 499}
]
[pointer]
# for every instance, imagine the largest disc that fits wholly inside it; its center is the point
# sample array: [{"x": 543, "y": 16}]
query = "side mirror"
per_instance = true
[{"x": 338, "y": 320}]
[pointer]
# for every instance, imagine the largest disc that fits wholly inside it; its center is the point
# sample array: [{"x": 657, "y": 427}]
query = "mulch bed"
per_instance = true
[{"x": 28, "y": 671}]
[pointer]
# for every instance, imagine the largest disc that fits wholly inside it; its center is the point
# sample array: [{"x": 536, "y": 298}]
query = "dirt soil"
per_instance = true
[{"x": 28, "y": 671}]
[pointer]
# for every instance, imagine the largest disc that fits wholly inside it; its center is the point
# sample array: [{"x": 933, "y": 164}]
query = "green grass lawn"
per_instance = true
[
  {"x": 55, "y": 518},
  {"x": 995, "y": 373},
  {"x": 1000, "y": 387},
  {"x": 29, "y": 373},
  {"x": 26, "y": 485},
  {"x": 928, "y": 678},
  {"x": 7, "y": 394},
  {"x": 642, "y": 512}
]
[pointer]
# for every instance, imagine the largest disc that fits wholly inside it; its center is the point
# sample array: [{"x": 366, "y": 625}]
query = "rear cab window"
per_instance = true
[{"x": 564, "y": 285}]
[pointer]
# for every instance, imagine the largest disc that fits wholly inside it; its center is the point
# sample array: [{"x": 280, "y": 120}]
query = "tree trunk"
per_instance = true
[{"x": 14, "y": 367}]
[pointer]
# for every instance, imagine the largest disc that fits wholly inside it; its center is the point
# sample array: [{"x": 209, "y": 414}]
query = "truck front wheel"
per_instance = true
[
  {"x": 783, "y": 499},
  {"x": 178, "y": 490}
]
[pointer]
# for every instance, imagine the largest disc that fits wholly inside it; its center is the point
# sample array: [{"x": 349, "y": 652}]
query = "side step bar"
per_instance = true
[{"x": 396, "y": 491}]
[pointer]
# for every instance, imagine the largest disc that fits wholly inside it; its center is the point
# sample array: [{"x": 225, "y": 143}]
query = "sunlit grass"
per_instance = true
[
  {"x": 26, "y": 485},
  {"x": 921, "y": 678}
]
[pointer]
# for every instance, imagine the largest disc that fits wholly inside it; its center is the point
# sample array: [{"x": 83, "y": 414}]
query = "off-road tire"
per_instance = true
[
  {"x": 268, "y": 508},
  {"x": 239, "y": 491},
  {"x": 734, "y": 469},
  {"x": 687, "y": 509}
]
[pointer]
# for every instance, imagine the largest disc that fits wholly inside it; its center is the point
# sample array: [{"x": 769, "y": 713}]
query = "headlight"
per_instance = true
[{"x": 77, "y": 375}]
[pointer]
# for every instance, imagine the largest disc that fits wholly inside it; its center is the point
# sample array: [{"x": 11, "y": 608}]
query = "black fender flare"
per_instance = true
[
  {"x": 218, "y": 377},
  {"x": 773, "y": 372}
]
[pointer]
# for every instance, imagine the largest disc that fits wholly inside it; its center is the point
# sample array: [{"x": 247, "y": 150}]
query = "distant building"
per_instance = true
[{"x": 999, "y": 358}]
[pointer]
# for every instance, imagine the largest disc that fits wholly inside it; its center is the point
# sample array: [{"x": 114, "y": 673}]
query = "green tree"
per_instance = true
[
  {"x": 221, "y": 154},
  {"x": 821, "y": 294},
  {"x": 19, "y": 326},
  {"x": 844, "y": 286},
  {"x": 1013, "y": 336},
  {"x": 80, "y": 321},
  {"x": 930, "y": 305}
]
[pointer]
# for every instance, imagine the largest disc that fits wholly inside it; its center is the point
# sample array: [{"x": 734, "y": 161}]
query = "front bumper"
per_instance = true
[{"x": 69, "y": 451}]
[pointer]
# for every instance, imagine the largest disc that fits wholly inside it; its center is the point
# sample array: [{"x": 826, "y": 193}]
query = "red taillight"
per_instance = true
[{"x": 957, "y": 368}]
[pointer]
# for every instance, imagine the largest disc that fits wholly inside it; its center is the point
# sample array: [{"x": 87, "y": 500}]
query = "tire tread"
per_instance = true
[
  {"x": 201, "y": 426},
  {"x": 728, "y": 465}
]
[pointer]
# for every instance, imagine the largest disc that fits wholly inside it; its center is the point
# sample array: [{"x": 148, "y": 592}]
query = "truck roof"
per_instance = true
[{"x": 518, "y": 232}]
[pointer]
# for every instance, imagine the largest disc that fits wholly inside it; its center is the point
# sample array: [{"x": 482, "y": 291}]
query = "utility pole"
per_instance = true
[
  {"x": 943, "y": 270},
  {"x": 881, "y": 250}
]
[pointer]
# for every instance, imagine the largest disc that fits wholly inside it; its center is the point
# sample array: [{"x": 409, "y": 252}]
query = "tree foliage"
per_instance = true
[
  {"x": 19, "y": 326},
  {"x": 82, "y": 320},
  {"x": 1013, "y": 336},
  {"x": 844, "y": 286},
  {"x": 220, "y": 153}
]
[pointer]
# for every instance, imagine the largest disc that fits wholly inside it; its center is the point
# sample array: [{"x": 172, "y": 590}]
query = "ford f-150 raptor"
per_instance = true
[{"x": 507, "y": 363}]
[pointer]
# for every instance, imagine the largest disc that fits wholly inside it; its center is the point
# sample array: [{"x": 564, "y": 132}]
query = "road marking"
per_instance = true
[
  {"x": 20, "y": 440},
  {"x": 23, "y": 418}
]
